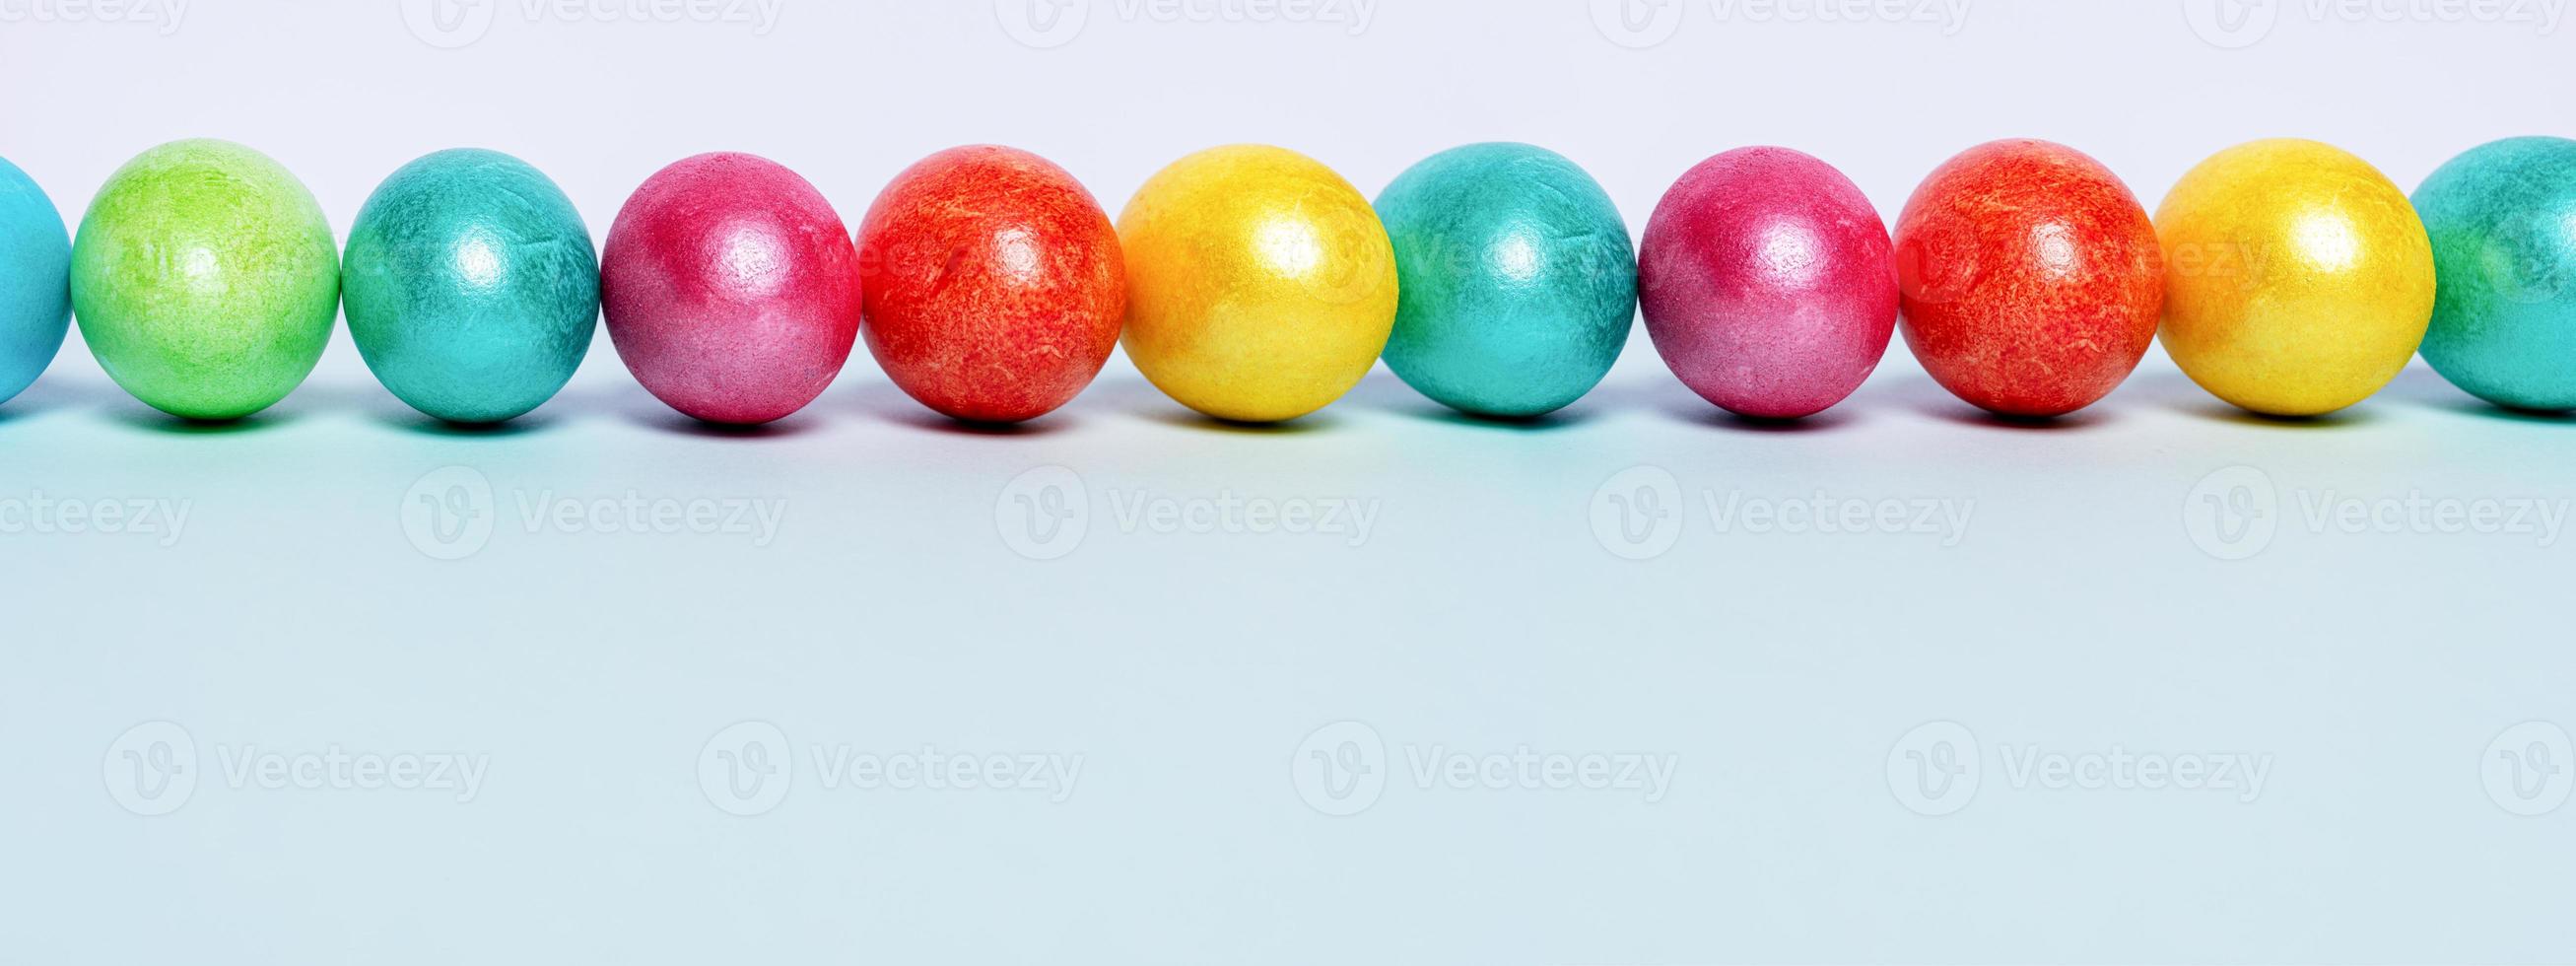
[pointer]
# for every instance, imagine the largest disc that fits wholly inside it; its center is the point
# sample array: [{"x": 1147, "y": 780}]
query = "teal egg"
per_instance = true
[
  {"x": 471, "y": 286},
  {"x": 1517, "y": 284},
  {"x": 35, "y": 281},
  {"x": 2503, "y": 222}
]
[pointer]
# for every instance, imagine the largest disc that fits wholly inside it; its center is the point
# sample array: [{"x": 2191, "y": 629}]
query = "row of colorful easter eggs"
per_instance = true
[{"x": 1254, "y": 284}]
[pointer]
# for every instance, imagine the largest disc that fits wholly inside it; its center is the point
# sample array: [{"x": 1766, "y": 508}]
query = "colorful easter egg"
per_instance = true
[
  {"x": 2298, "y": 280},
  {"x": 1260, "y": 285},
  {"x": 731, "y": 289},
  {"x": 1517, "y": 284},
  {"x": 205, "y": 279},
  {"x": 35, "y": 281},
  {"x": 2502, "y": 219},
  {"x": 471, "y": 286},
  {"x": 994, "y": 285},
  {"x": 2030, "y": 277},
  {"x": 1768, "y": 283}
]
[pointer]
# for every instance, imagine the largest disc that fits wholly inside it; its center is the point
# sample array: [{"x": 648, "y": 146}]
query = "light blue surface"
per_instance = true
[
  {"x": 471, "y": 286},
  {"x": 1517, "y": 280},
  {"x": 35, "y": 281},
  {"x": 2503, "y": 222},
  {"x": 900, "y": 602}
]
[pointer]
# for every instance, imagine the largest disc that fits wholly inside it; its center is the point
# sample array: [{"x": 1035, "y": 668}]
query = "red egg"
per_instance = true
[
  {"x": 995, "y": 288},
  {"x": 1767, "y": 283},
  {"x": 731, "y": 289},
  {"x": 2030, "y": 276}
]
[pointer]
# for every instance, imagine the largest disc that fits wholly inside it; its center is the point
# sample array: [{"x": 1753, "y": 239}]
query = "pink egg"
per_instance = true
[
  {"x": 1768, "y": 283},
  {"x": 731, "y": 289}
]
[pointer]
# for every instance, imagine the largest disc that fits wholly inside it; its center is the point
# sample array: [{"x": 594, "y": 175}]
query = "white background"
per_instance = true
[{"x": 2089, "y": 610}]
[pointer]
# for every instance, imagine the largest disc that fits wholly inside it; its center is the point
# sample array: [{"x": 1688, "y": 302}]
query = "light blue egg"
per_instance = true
[
  {"x": 1517, "y": 282},
  {"x": 35, "y": 281},
  {"x": 471, "y": 285},
  {"x": 2503, "y": 222}
]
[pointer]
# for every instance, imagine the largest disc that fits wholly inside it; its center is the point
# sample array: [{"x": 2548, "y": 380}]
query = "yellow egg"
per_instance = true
[
  {"x": 2298, "y": 280},
  {"x": 1260, "y": 285}
]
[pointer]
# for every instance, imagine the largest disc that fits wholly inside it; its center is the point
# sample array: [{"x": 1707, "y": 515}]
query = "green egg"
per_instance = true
[{"x": 205, "y": 279}]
